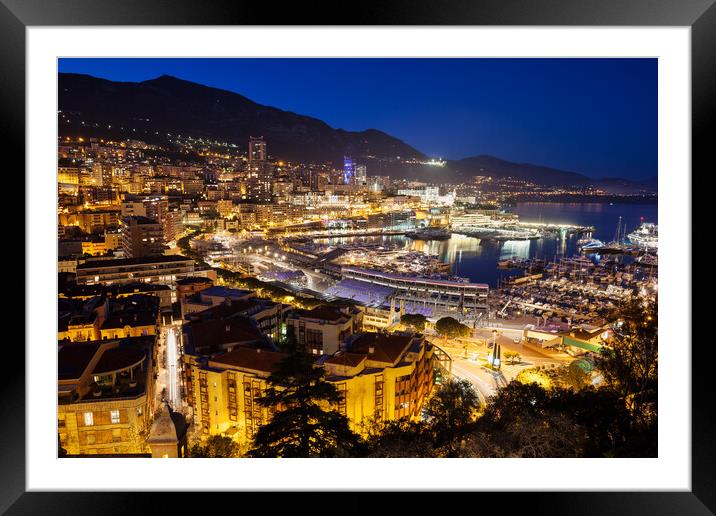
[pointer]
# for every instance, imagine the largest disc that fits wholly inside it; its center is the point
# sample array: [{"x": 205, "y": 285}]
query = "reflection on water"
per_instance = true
[
  {"x": 477, "y": 259},
  {"x": 515, "y": 249}
]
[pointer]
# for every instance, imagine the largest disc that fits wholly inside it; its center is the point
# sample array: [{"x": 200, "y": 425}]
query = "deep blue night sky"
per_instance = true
[{"x": 593, "y": 116}]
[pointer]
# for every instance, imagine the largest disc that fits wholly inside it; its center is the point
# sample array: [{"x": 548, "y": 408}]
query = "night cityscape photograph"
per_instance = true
[{"x": 357, "y": 257}]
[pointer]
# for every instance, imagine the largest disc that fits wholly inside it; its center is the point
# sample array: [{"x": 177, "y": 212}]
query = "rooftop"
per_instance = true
[
  {"x": 323, "y": 312},
  {"x": 231, "y": 308},
  {"x": 212, "y": 335},
  {"x": 226, "y": 292},
  {"x": 105, "y": 357},
  {"x": 346, "y": 359},
  {"x": 124, "y": 262},
  {"x": 73, "y": 359},
  {"x": 118, "y": 359},
  {"x": 138, "y": 219},
  {"x": 387, "y": 348},
  {"x": 251, "y": 359},
  {"x": 192, "y": 280}
]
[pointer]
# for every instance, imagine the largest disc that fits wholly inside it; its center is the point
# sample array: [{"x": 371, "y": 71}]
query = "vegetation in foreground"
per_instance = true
[{"x": 560, "y": 415}]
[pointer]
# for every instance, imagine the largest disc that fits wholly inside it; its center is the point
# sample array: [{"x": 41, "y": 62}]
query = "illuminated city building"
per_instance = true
[
  {"x": 257, "y": 149},
  {"x": 379, "y": 376},
  {"x": 361, "y": 177},
  {"x": 102, "y": 174},
  {"x": 126, "y": 314},
  {"x": 91, "y": 221},
  {"x": 68, "y": 175},
  {"x": 439, "y": 295},
  {"x": 168, "y": 435},
  {"x": 382, "y": 377},
  {"x": 349, "y": 171},
  {"x": 322, "y": 330},
  {"x": 188, "y": 286},
  {"x": 220, "y": 303},
  {"x": 380, "y": 318},
  {"x": 133, "y": 209},
  {"x": 173, "y": 225},
  {"x": 157, "y": 269},
  {"x": 105, "y": 396},
  {"x": 142, "y": 237},
  {"x": 98, "y": 246},
  {"x": 260, "y": 171}
]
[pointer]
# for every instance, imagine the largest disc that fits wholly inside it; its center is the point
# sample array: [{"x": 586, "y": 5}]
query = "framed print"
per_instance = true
[{"x": 419, "y": 252}]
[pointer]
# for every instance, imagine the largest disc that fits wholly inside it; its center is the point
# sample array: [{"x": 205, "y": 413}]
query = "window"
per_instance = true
[
  {"x": 90, "y": 438},
  {"x": 116, "y": 435},
  {"x": 114, "y": 416},
  {"x": 89, "y": 419}
]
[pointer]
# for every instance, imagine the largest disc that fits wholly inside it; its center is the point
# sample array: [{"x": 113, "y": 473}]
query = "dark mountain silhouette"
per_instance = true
[
  {"x": 485, "y": 165},
  {"x": 170, "y": 105}
]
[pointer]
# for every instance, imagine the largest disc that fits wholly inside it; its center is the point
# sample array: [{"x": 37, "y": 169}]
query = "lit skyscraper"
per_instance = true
[
  {"x": 349, "y": 170},
  {"x": 361, "y": 175},
  {"x": 260, "y": 173},
  {"x": 257, "y": 149}
]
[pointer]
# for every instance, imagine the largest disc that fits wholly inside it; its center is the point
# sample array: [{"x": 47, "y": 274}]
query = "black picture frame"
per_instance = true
[{"x": 700, "y": 15}]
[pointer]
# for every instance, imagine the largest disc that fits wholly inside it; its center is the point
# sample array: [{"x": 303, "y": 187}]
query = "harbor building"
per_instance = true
[{"x": 440, "y": 295}]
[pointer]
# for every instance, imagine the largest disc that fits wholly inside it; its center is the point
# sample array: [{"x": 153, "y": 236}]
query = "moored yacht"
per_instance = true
[{"x": 645, "y": 236}]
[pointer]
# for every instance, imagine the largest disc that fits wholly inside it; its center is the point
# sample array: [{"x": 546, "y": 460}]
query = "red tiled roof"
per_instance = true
[
  {"x": 347, "y": 359},
  {"x": 388, "y": 348},
  {"x": 218, "y": 332},
  {"x": 247, "y": 358}
]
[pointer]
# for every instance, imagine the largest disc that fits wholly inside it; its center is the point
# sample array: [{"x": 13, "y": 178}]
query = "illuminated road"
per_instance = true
[
  {"x": 461, "y": 370},
  {"x": 172, "y": 375},
  {"x": 485, "y": 381}
]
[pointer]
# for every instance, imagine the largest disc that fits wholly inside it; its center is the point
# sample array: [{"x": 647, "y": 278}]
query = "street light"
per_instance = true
[{"x": 496, "y": 352}]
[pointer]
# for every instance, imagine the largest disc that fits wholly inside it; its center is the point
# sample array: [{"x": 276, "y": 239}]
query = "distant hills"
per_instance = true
[
  {"x": 486, "y": 165},
  {"x": 171, "y": 105}
]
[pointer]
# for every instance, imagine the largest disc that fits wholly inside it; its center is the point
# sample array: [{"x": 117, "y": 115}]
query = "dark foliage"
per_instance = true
[{"x": 303, "y": 423}]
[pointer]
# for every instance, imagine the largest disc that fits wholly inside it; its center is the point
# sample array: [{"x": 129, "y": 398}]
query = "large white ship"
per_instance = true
[{"x": 645, "y": 236}]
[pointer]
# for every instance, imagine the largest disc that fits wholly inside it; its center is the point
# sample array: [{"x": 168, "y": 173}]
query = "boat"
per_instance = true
[
  {"x": 592, "y": 243},
  {"x": 646, "y": 236}
]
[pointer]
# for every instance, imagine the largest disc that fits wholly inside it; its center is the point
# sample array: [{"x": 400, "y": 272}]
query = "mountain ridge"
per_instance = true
[
  {"x": 170, "y": 104},
  {"x": 167, "y": 104}
]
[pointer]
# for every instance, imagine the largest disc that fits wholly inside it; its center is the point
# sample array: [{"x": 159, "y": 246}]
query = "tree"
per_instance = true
[
  {"x": 551, "y": 435},
  {"x": 450, "y": 327},
  {"x": 417, "y": 321},
  {"x": 629, "y": 362},
  {"x": 452, "y": 408},
  {"x": 301, "y": 426},
  {"x": 400, "y": 438},
  {"x": 598, "y": 424},
  {"x": 574, "y": 376},
  {"x": 512, "y": 356},
  {"x": 215, "y": 446}
]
